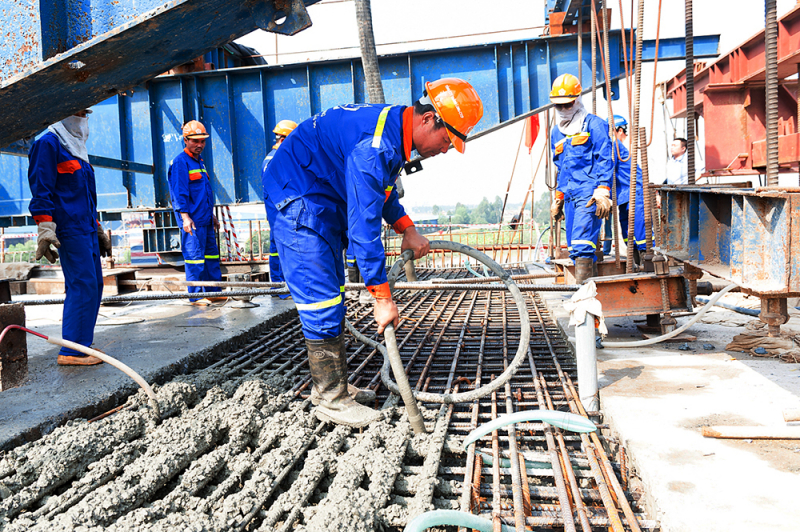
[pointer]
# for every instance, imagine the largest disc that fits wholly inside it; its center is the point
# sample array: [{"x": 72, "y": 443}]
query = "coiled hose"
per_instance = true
[
  {"x": 391, "y": 356},
  {"x": 700, "y": 313}
]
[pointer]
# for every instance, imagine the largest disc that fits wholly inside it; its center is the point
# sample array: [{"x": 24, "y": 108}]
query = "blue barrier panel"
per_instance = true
[{"x": 239, "y": 107}]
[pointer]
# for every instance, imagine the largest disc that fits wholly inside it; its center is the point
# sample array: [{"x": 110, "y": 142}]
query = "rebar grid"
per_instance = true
[{"x": 266, "y": 463}]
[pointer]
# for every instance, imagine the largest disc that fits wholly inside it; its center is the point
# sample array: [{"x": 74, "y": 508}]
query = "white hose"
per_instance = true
[
  {"x": 114, "y": 362},
  {"x": 700, "y": 313}
]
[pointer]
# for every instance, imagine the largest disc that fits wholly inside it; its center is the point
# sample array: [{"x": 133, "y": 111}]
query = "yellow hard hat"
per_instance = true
[
  {"x": 284, "y": 127},
  {"x": 566, "y": 88}
]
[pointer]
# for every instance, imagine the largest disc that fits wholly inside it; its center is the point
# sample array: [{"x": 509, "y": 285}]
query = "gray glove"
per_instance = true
[
  {"x": 104, "y": 241},
  {"x": 47, "y": 236}
]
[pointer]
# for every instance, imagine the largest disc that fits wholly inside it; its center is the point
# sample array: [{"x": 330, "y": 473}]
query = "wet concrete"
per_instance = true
[
  {"x": 656, "y": 400},
  {"x": 155, "y": 339}
]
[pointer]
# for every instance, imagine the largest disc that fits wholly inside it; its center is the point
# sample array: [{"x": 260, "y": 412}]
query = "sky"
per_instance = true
[{"x": 486, "y": 167}]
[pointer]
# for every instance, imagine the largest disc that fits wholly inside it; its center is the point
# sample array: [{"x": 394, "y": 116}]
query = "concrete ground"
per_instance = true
[
  {"x": 156, "y": 339},
  {"x": 656, "y": 401}
]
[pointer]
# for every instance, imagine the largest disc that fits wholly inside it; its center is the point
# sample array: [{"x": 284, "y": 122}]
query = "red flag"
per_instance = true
[{"x": 531, "y": 131}]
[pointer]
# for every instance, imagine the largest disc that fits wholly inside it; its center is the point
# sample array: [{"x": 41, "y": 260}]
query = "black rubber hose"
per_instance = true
[{"x": 522, "y": 349}]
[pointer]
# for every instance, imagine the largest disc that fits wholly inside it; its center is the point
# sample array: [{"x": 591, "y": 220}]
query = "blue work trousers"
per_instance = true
[
  {"x": 639, "y": 232},
  {"x": 83, "y": 281},
  {"x": 583, "y": 228},
  {"x": 313, "y": 271},
  {"x": 201, "y": 258}
]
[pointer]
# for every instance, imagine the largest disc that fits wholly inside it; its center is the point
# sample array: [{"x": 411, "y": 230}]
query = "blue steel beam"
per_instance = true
[
  {"x": 241, "y": 106},
  {"x": 705, "y": 46},
  {"x": 745, "y": 236},
  {"x": 37, "y": 91}
]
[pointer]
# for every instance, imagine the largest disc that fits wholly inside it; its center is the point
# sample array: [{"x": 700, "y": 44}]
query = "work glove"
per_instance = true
[
  {"x": 104, "y": 241},
  {"x": 602, "y": 199},
  {"x": 47, "y": 236},
  {"x": 557, "y": 209}
]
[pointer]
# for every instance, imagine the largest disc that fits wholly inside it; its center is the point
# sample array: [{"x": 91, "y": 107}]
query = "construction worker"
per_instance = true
[
  {"x": 582, "y": 154},
  {"x": 193, "y": 203},
  {"x": 282, "y": 130},
  {"x": 332, "y": 181},
  {"x": 64, "y": 206},
  {"x": 622, "y": 163}
]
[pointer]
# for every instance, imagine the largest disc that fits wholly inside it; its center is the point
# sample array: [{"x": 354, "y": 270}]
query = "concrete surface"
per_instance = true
[
  {"x": 156, "y": 339},
  {"x": 656, "y": 401}
]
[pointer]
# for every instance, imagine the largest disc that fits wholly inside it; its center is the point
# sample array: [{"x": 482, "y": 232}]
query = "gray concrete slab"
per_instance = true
[
  {"x": 156, "y": 339},
  {"x": 656, "y": 401}
]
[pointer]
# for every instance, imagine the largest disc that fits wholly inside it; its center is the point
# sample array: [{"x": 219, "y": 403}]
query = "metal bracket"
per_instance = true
[{"x": 295, "y": 13}]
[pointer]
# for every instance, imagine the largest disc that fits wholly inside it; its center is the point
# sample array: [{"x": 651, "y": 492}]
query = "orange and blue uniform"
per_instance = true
[
  {"x": 190, "y": 191},
  {"x": 330, "y": 184},
  {"x": 63, "y": 191},
  {"x": 584, "y": 163}
]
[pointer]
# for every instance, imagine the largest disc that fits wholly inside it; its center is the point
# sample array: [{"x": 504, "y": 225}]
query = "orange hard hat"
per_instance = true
[
  {"x": 458, "y": 105},
  {"x": 566, "y": 88},
  {"x": 284, "y": 127},
  {"x": 194, "y": 130}
]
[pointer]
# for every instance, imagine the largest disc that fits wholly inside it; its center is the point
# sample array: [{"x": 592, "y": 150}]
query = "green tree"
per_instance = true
[
  {"x": 435, "y": 210},
  {"x": 461, "y": 214}
]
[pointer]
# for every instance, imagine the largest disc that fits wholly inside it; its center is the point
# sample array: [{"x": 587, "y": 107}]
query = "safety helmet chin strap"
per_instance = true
[{"x": 425, "y": 100}]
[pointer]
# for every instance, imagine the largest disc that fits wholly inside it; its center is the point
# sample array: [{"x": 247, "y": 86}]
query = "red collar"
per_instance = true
[
  {"x": 198, "y": 159},
  {"x": 408, "y": 114}
]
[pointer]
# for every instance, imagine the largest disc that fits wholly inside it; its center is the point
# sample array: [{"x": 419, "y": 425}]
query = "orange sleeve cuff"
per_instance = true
[
  {"x": 42, "y": 218},
  {"x": 402, "y": 224},
  {"x": 559, "y": 194},
  {"x": 605, "y": 187},
  {"x": 380, "y": 291}
]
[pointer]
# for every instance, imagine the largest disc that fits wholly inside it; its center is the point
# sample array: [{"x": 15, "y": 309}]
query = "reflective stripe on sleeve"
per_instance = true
[{"x": 376, "y": 138}]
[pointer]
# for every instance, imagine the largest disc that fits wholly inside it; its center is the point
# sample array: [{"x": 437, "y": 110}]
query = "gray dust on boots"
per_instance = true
[
  {"x": 584, "y": 267},
  {"x": 327, "y": 361}
]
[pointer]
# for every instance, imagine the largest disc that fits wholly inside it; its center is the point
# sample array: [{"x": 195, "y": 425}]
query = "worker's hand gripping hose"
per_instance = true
[
  {"x": 449, "y": 398},
  {"x": 438, "y": 518},
  {"x": 700, "y": 313},
  {"x": 102, "y": 356}
]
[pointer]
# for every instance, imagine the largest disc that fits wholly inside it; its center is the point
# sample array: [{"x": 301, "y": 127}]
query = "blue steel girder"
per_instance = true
[
  {"x": 241, "y": 106},
  {"x": 38, "y": 91},
  {"x": 746, "y": 236}
]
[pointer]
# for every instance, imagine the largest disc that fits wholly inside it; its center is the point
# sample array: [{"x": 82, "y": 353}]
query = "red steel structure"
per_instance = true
[{"x": 730, "y": 95}]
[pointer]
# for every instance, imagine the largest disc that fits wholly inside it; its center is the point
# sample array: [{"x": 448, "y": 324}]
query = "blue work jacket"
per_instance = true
[
  {"x": 63, "y": 188},
  {"x": 623, "y": 171},
  {"x": 583, "y": 160},
  {"x": 190, "y": 189},
  {"x": 343, "y": 166}
]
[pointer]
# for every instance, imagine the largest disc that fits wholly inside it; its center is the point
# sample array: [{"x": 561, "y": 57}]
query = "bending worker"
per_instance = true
[
  {"x": 282, "y": 130},
  {"x": 582, "y": 155},
  {"x": 64, "y": 206},
  {"x": 622, "y": 163},
  {"x": 332, "y": 180},
  {"x": 193, "y": 202}
]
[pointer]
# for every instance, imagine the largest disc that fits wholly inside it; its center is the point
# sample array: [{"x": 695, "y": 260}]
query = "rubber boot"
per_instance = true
[
  {"x": 584, "y": 267},
  {"x": 363, "y": 396},
  {"x": 328, "y": 363}
]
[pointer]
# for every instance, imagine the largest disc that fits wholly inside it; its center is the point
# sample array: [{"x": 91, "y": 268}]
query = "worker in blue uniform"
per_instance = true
[
  {"x": 64, "y": 206},
  {"x": 582, "y": 155},
  {"x": 282, "y": 130},
  {"x": 622, "y": 163},
  {"x": 193, "y": 202},
  {"x": 332, "y": 182}
]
